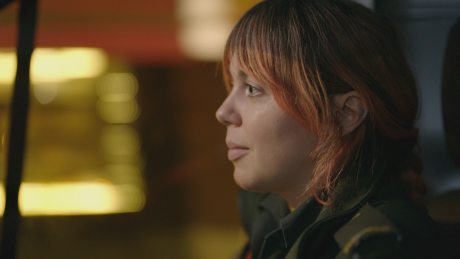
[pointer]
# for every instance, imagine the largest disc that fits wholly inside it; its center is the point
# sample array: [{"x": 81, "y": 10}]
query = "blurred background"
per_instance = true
[{"x": 124, "y": 157}]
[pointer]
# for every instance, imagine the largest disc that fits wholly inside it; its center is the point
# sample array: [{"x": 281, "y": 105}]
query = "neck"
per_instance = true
[
  {"x": 295, "y": 198},
  {"x": 297, "y": 191}
]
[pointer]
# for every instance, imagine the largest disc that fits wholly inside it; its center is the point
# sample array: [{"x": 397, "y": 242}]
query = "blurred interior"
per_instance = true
[{"x": 125, "y": 158}]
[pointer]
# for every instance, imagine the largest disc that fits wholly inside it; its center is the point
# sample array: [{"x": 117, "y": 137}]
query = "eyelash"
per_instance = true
[
  {"x": 252, "y": 88},
  {"x": 248, "y": 89}
]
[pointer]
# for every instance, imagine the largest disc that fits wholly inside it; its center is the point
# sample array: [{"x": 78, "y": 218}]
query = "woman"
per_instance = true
[{"x": 320, "y": 129}]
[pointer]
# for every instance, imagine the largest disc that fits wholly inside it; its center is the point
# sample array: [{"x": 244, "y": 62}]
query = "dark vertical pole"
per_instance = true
[{"x": 18, "y": 123}]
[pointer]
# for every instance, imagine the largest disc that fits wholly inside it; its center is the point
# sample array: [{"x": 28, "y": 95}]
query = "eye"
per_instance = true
[{"x": 252, "y": 91}]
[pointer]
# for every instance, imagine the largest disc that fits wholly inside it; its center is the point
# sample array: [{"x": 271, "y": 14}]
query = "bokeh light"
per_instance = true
[
  {"x": 56, "y": 64},
  {"x": 205, "y": 26},
  {"x": 7, "y": 67},
  {"x": 117, "y": 84},
  {"x": 76, "y": 198},
  {"x": 118, "y": 110},
  {"x": 62, "y": 64},
  {"x": 45, "y": 92},
  {"x": 120, "y": 140},
  {"x": 124, "y": 173},
  {"x": 117, "y": 103}
]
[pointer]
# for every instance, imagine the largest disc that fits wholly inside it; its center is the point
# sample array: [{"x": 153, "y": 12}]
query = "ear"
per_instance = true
[{"x": 351, "y": 111}]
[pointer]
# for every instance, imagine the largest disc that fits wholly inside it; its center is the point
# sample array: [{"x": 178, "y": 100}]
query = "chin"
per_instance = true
[{"x": 249, "y": 182}]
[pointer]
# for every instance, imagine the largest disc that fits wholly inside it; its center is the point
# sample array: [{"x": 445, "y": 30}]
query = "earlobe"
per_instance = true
[{"x": 351, "y": 111}]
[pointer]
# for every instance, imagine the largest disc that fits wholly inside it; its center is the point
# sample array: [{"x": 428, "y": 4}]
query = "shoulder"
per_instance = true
[
  {"x": 250, "y": 204},
  {"x": 247, "y": 206},
  {"x": 369, "y": 234},
  {"x": 392, "y": 229}
]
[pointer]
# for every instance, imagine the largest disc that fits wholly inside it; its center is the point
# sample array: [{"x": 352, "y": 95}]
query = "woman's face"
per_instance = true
[{"x": 270, "y": 150}]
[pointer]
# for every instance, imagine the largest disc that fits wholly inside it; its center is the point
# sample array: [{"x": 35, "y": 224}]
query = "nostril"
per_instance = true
[{"x": 220, "y": 118}]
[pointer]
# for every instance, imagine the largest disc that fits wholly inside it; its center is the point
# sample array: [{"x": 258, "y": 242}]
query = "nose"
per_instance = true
[{"x": 227, "y": 113}]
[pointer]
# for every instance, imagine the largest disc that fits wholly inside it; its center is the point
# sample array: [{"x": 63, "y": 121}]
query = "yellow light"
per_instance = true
[
  {"x": 76, "y": 198},
  {"x": 132, "y": 196},
  {"x": 117, "y": 103},
  {"x": 84, "y": 62},
  {"x": 123, "y": 110},
  {"x": 56, "y": 64},
  {"x": 202, "y": 8},
  {"x": 120, "y": 140},
  {"x": 205, "y": 40},
  {"x": 67, "y": 198},
  {"x": 125, "y": 173},
  {"x": 117, "y": 84},
  {"x": 45, "y": 92},
  {"x": 59, "y": 65},
  {"x": 7, "y": 67},
  {"x": 205, "y": 26},
  {"x": 2, "y": 199}
]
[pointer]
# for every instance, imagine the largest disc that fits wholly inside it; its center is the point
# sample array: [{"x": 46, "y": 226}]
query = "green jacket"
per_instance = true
[{"x": 370, "y": 217}]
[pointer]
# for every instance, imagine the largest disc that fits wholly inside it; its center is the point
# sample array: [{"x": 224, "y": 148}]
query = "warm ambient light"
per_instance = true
[
  {"x": 56, "y": 64},
  {"x": 120, "y": 140},
  {"x": 205, "y": 25},
  {"x": 7, "y": 67},
  {"x": 45, "y": 92},
  {"x": 117, "y": 103},
  {"x": 204, "y": 40},
  {"x": 77, "y": 198}
]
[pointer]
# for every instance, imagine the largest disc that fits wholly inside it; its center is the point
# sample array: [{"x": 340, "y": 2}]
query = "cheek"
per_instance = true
[
  {"x": 292, "y": 143},
  {"x": 285, "y": 137},
  {"x": 282, "y": 153}
]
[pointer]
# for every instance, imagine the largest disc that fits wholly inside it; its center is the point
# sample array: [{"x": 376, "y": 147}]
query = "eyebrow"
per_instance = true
[{"x": 239, "y": 73}]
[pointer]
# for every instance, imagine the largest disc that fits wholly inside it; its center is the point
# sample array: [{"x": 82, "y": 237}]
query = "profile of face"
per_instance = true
[{"x": 270, "y": 149}]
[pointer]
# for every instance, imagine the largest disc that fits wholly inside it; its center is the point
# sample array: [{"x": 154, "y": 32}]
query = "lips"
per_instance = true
[{"x": 236, "y": 151}]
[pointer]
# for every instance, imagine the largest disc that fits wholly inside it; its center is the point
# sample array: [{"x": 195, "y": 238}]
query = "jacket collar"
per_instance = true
[
  {"x": 354, "y": 189},
  {"x": 351, "y": 192},
  {"x": 297, "y": 221}
]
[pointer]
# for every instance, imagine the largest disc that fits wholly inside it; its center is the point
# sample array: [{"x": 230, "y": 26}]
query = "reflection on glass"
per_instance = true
[{"x": 45, "y": 92}]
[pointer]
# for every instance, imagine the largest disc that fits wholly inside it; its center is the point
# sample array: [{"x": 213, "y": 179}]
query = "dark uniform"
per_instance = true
[{"x": 370, "y": 217}]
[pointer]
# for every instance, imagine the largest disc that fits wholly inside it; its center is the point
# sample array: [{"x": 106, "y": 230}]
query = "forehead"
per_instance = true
[{"x": 235, "y": 68}]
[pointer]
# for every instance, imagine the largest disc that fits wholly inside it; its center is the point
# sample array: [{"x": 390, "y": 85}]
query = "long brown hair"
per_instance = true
[{"x": 308, "y": 50}]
